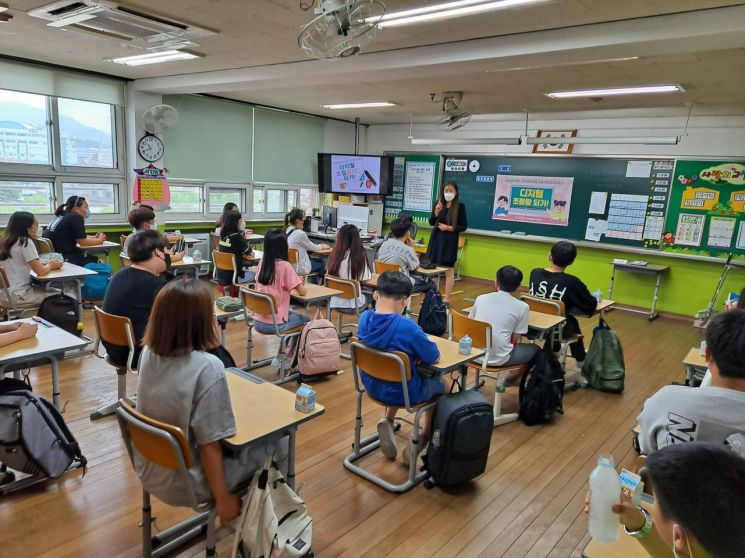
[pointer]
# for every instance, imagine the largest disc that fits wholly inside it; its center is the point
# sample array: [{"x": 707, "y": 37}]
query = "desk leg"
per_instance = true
[
  {"x": 291, "y": 458},
  {"x": 328, "y": 309},
  {"x": 55, "y": 382},
  {"x": 79, "y": 286},
  {"x": 612, "y": 282},
  {"x": 653, "y": 313}
]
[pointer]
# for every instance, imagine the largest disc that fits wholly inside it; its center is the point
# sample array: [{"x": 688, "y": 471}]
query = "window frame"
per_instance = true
[
  {"x": 244, "y": 189},
  {"x": 284, "y": 187}
]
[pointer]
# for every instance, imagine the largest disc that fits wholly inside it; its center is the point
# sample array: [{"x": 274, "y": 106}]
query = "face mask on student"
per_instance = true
[
  {"x": 675, "y": 552},
  {"x": 167, "y": 260},
  {"x": 241, "y": 226},
  {"x": 449, "y": 196}
]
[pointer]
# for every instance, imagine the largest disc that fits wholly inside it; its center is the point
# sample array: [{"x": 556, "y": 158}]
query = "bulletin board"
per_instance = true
[
  {"x": 416, "y": 179},
  {"x": 707, "y": 209}
]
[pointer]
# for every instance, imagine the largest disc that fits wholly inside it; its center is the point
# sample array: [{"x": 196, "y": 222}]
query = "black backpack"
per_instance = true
[
  {"x": 542, "y": 389},
  {"x": 433, "y": 315},
  {"x": 62, "y": 311},
  {"x": 461, "y": 435}
]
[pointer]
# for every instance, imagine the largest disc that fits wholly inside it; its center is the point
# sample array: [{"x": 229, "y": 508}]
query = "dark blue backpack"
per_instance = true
[{"x": 95, "y": 286}]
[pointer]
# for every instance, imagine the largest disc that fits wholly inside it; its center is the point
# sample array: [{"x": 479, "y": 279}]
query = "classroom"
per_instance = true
[{"x": 301, "y": 278}]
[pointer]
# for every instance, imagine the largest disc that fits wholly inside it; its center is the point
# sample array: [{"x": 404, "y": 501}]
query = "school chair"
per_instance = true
[
  {"x": 165, "y": 445},
  {"x": 44, "y": 245},
  {"x": 225, "y": 261},
  {"x": 292, "y": 257},
  {"x": 459, "y": 257},
  {"x": 118, "y": 331},
  {"x": 390, "y": 367},
  {"x": 124, "y": 260},
  {"x": 555, "y": 308},
  {"x": 214, "y": 241},
  {"x": 264, "y": 303},
  {"x": 481, "y": 334},
  {"x": 350, "y": 291},
  {"x": 10, "y": 308},
  {"x": 382, "y": 267}
]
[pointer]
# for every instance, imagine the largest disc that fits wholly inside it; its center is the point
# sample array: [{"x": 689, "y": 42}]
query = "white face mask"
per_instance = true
[
  {"x": 449, "y": 196},
  {"x": 688, "y": 542},
  {"x": 241, "y": 226}
]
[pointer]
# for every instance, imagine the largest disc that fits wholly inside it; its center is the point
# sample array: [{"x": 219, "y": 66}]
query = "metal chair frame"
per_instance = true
[
  {"x": 355, "y": 286},
  {"x": 12, "y": 310}
]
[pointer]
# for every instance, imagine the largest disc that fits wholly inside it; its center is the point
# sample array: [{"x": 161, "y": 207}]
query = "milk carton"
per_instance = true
[{"x": 305, "y": 399}]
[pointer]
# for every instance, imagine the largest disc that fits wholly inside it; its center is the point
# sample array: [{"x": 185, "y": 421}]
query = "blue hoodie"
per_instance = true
[{"x": 394, "y": 332}]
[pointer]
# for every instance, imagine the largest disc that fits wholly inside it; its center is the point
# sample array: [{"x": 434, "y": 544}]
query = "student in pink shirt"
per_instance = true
[{"x": 277, "y": 277}]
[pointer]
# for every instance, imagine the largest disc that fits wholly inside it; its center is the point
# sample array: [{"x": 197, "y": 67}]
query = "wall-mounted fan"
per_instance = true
[
  {"x": 159, "y": 119},
  {"x": 453, "y": 116},
  {"x": 341, "y": 28}
]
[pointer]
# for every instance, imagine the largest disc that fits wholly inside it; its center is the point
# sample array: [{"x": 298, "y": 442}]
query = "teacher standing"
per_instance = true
[{"x": 448, "y": 220}]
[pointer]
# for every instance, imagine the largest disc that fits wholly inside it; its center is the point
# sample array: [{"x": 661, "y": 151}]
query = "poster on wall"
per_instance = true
[
  {"x": 690, "y": 229},
  {"x": 419, "y": 185},
  {"x": 533, "y": 199},
  {"x": 151, "y": 188}
]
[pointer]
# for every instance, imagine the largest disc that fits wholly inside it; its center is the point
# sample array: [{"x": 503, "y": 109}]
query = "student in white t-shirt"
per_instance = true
[
  {"x": 18, "y": 257},
  {"x": 298, "y": 239},
  {"x": 348, "y": 260},
  {"x": 508, "y": 318}
]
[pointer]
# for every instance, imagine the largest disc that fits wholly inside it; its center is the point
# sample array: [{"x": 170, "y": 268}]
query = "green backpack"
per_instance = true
[{"x": 604, "y": 368}]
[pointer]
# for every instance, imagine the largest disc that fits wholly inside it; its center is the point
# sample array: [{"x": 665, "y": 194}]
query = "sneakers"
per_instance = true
[
  {"x": 387, "y": 439},
  {"x": 407, "y": 452}
]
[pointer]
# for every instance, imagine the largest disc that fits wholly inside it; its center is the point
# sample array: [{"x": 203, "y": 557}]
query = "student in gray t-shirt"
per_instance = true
[
  {"x": 400, "y": 250},
  {"x": 183, "y": 385},
  {"x": 714, "y": 413}
]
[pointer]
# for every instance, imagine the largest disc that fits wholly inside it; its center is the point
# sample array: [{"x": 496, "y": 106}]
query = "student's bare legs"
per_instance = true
[
  {"x": 449, "y": 283},
  {"x": 386, "y": 433}
]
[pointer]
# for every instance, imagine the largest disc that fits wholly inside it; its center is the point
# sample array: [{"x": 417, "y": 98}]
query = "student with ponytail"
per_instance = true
[
  {"x": 298, "y": 239},
  {"x": 67, "y": 231}
]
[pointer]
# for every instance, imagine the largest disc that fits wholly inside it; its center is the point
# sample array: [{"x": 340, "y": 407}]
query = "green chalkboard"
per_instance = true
[
  {"x": 707, "y": 209},
  {"x": 607, "y": 200},
  {"x": 415, "y": 181}
]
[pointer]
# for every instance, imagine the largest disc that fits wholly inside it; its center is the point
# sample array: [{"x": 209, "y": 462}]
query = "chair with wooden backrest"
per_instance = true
[
  {"x": 555, "y": 308},
  {"x": 265, "y": 303},
  {"x": 44, "y": 245},
  {"x": 123, "y": 259},
  {"x": 117, "y": 331},
  {"x": 225, "y": 261},
  {"x": 390, "y": 367},
  {"x": 459, "y": 258},
  {"x": 165, "y": 445},
  {"x": 214, "y": 241},
  {"x": 382, "y": 267},
  {"x": 293, "y": 258},
  {"x": 481, "y": 335},
  {"x": 10, "y": 307},
  {"x": 350, "y": 291}
]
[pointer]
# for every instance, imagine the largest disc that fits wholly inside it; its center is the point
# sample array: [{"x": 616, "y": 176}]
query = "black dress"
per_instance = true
[{"x": 443, "y": 245}]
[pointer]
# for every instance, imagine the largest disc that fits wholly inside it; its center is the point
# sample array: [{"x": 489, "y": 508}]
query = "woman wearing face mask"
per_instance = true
[
  {"x": 67, "y": 231},
  {"x": 448, "y": 220}
]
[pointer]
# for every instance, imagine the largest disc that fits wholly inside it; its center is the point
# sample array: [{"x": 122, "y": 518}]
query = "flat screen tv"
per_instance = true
[{"x": 355, "y": 174}]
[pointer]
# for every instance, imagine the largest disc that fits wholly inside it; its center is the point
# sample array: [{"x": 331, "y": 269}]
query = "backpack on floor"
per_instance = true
[
  {"x": 433, "y": 315},
  {"x": 542, "y": 389},
  {"x": 34, "y": 438},
  {"x": 604, "y": 366},
  {"x": 319, "y": 350},
  {"x": 62, "y": 311},
  {"x": 94, "y": 287},
  {"x": 274, "y": 520},
  {"x": 461, "y": 435}
]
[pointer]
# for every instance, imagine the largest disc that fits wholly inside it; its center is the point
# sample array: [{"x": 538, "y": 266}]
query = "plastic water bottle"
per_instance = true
[
  {"x": 197, "y": 255},
  {"x": 464, "y": 345},
  {"x": 598, "y": 295},
  {"x": 605, "y": 487}
]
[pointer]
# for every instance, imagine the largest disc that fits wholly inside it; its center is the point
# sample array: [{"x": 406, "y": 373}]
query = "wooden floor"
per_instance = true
[{"x": 528, "y": 503}]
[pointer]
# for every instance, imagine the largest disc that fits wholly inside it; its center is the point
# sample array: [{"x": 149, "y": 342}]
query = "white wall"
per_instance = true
[
  {"x": 339, "y": 137},
  {"x": 707, "y": 136}
]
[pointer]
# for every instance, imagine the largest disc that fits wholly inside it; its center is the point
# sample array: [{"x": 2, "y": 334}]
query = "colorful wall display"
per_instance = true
[{"x": 533, "y": 199}]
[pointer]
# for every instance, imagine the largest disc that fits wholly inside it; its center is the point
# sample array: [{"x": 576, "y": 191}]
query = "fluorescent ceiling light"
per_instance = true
[
  {"x": 465, "y": 141},
  {"x": 3, "y": 8},
  {"x": 155, "y": 58},
  {"x": 562, "y": 64},
  {"x": 447, "y": 10},
  {"x": 638, "y": 140},
  {"x": 374, "y": 104},
  {"x": 616, "y": 91}
]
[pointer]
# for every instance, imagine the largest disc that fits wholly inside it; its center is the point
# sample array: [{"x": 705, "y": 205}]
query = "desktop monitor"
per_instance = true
[{"x": 329, "y": 216}]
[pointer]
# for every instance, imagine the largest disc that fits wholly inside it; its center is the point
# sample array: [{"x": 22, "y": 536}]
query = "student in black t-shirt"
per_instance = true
[
  {"x": 67, "y": 231},
  {"x": 554, "y": 283},
  {"x": 233, "y": 240},
  {"x": 132, "y": 290}
]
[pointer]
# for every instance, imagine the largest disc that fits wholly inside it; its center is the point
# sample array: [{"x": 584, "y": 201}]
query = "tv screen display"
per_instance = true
[{"x": 355, "y": 174}]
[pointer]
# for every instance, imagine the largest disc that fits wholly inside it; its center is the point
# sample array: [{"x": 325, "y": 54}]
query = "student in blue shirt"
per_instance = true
[{"x": 386, "y": 329}]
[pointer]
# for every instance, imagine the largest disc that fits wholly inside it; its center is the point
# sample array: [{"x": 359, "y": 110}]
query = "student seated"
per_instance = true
[
  {"x": 181, "y": 384},
  {"x": 298, "y": 239},
  {"x": 67, "y": 231},
  {"x": 399, "y": 249},
  {"x": 554, "y": 283},
  {"x": 18, "y": 257},
  {"x": 227, "y": 208},
  {"x": 17, "y": 331},
  {"x": 386, "y": 329},
  {"x": 698, "y": 509},
  {"x": 277, "y": 277},
  {"x": 233, "y": 241},
  {"x": 508, "y": 318},
  {"x": 348, "y": 260},
  {"x": 142, "y": 218},
  {"x": 714, "y": 413}
]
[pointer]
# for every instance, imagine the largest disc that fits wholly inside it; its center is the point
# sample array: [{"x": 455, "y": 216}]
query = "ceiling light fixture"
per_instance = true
[
  {"x": 637, "y": 140},
  {"x": 448, "y": 10},
  {"x": 4, "y": 8},
  {"x": 465, "y": 141},
  {"x": 155, "y": 58},
  {"x": 562, "y": 64},
  {"x": 642, "y": 90},
  {"x": 374, "y": 104}
]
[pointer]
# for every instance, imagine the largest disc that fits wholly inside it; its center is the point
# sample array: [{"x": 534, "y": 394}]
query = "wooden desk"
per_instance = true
[
  {"x": 222, "y": 320},
  {"x": 538, "y": 321},
  {"x": 263, "y": 410},
  {"x": 189, "y": 241},
  {"x": 68, "y": 273},
  {"x": 432, "y": 274},
  {"x": 450, "y": 358},
  {"x": 694, "y": 362},
  {"x": 371, "y": 283},
  {"x": 256, "y": 256},
  {"x": 649, "y": 269},
  {"x": 317, "y": 294},
  {"x": 254, "y": 238},
  {"x": 50, "y": 343},
  {"x": 188, "y": 263},
  {"x": 603, "y": 305},
  {"x": 105, "y": 247},
  {"x": 323, "y": 252}
]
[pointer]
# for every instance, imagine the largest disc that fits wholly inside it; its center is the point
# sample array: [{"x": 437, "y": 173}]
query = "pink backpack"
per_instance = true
[{"x": 318, "y": 350}]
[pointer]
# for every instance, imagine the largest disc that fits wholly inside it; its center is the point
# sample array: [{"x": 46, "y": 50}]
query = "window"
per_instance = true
[
  {"x": 218, "y": 197},
  {"x": 186, "y": 199},
  {"x": 291, "y": 199},
  {"x": 86, "y": 136},
  {"x": 270, "y": 200},
  {"x": 101, "y": 198},
  {"x": 257, "y": 207},
  {"x": 24, "y": 134},
  {"x": 275, "y": 201},
  {"x": 35, "y": 197},
  {"x": 308, "y": 199}
]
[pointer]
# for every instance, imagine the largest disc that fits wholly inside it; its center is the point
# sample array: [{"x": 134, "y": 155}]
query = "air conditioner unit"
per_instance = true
[{"x": 119, "y": 22}]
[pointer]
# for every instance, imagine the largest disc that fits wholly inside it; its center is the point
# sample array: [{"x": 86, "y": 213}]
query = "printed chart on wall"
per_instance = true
[
  {"x": 613, "y": 201},
  {"x": 415, "y": 181},
  {"x": 707, "y": 209}
]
